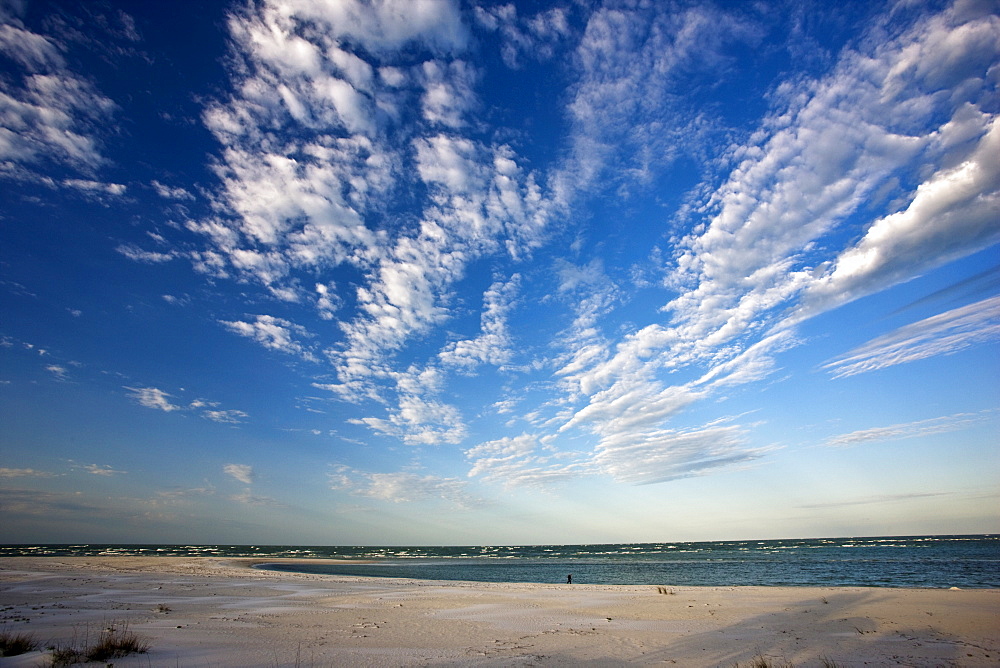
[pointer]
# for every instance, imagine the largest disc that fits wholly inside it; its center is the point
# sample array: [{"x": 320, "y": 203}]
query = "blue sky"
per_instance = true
[{"x": 442, "y": 272}]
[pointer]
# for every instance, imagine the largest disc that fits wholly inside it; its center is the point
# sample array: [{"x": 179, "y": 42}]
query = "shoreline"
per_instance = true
[{"x": 221, "y": 611}]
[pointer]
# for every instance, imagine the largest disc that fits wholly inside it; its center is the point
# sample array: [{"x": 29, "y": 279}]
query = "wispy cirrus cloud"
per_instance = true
[
  {"x": 101, "y": 470},
  {"x": 759, "y": 261},
  {"x": 247, "y": 498},
  {"x": 939, "y": 425},
  {"x": 661, "y": 455},
  {"x": 137, "y": 254},
  {"x": 6, "y": 472},
  {"x": 874, "y": 500},
  {"x": 942, "y": 334}
]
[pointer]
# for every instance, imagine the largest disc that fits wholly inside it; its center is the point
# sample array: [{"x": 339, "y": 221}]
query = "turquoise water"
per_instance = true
[{"x": 910, "y": 561}]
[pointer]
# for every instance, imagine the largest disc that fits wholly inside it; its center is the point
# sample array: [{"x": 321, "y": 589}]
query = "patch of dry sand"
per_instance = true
[{"x": 209, "y": 612}]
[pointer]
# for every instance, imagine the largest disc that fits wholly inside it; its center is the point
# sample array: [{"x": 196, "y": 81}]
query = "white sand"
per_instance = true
[{"x": 222, "y": 613}]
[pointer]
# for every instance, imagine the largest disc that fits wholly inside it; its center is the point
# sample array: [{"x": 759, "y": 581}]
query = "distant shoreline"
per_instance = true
[{"x": 939, "y": 562}]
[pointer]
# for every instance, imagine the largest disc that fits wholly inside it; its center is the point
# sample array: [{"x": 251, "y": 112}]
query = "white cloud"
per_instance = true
[
  {"x": 139, "y": 255},
  {"x": 942, "y": 334},
  {"x": 624, "y": 105},
  {"x": 492, "y": 345},
  {"x": 384, "y": 25},
  {"x": 95, "y": 188},
  {"x": 60, "y": 372},
  {"x": 953, "y": 213},
  {"x": 104, "y": 470},
  {"x": 837, "y": 143},
  {"x": 272, "y": 333},
  {"x": 448, "y": 92},
  {"x": 242, "y": 472},
  {"x": 765, "y": 248},
  {"x": 660, "y": 455},
  {"x": 48, "y": 114},
  {"x": 247, "y": 498},
  {"x": 317, "y": 200},
  {"x": 226, "y": 416},
  {"x": 327, "y": 300},
  {"x": 520, "y": 461},
  {"x": 927, "y": 427},
  {"x": 23, "y": 473},
  {"x": 167, "y": 192},
  {"x": 151, "y": 397},
  {"x": 758, "y": 253},
  {"x": 33, "y": 51},
  {"x": 525, "y": 38},
  {"x": 402, "y": 487},
  {"x": 416, "y": 417}
]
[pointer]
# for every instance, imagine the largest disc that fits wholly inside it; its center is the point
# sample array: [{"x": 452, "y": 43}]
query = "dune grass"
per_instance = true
[
  {"x": 114, "y": 642},
  {"x": 15, "y": 643}
]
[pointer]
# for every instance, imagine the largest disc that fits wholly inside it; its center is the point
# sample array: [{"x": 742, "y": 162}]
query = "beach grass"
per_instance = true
[
  {"x": 113, "y": 642},
  {"x": 15, "y": 643}
]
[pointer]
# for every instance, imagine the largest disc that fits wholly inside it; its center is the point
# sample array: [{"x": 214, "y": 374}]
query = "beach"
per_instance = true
[{"x": 209, "y": 612}]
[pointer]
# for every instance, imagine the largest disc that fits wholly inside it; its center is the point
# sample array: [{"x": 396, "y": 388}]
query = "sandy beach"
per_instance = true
[{"x": 207, "y": 612}]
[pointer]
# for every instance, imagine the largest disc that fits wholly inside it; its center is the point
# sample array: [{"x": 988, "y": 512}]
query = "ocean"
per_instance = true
[{"x": 899, "y": 561}]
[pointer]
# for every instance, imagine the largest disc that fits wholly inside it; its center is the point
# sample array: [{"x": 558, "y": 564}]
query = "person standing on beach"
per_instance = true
[{"x": 569, "y": 579}]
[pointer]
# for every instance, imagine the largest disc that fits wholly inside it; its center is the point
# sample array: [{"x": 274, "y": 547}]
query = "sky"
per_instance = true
[{"x": 398, "y": 272}]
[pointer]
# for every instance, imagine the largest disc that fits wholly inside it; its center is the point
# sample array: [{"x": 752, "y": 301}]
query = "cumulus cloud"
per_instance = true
[{"x": 954, "y": 212}]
